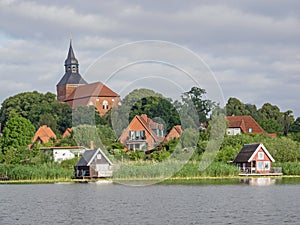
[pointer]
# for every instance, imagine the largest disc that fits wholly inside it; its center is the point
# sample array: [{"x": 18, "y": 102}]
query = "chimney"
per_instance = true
[{"x": 92, "y": 145}]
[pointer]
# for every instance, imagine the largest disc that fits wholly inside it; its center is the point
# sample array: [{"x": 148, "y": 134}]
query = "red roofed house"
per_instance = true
[
  {"x": 243, "y": 124},
  {"x": 75, "y": 91},
  {"x": 175, "y": 132},
  {"x": 67, "y": 132},
  {"x": 142, "y": 134},
  {"x": 254, "y": 158},
  {"x": 43, "y": 135}
]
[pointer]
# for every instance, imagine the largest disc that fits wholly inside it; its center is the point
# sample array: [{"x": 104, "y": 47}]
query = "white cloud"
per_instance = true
[{"x": 253, "y": 47}]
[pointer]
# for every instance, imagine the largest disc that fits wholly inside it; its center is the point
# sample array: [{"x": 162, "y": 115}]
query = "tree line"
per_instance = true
[{"x": 21, "y": 115}]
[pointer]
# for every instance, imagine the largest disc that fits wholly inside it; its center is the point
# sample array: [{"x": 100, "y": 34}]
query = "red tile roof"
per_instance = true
[
  {"x": 84, "y": 92},
  {"x": 245, "y": 123},
  {"x": 44, "y": 133},
  {"x": 67, "y": 132},
  {"x": 149, "y": 125},
  {"x": 175, "y": 132}
]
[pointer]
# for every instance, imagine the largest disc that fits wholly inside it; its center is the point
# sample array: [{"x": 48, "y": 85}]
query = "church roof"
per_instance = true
[
  {"x": 71, "y": 78},
  {"x": 97, "y": 89},
  {"x": 71, "y": 56}
]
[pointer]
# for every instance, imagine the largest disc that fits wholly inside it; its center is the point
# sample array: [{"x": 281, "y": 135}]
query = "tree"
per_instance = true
[
  {"x": 145, "y": 101},
  {"x": 17, "y": 135},
  {"x": 286, "y": 121},
  {"x": 38, "y": 108},
  {"x": 156, "y": 107},
  {"x": 269, "y": 111},
  {"x": 271, "y": 126},
  {"x": 235, "y": 107},
  {"x": 295, "y": 127},
  {"x": 85, "y": 134},
  {"x": 202, "y": 106}
]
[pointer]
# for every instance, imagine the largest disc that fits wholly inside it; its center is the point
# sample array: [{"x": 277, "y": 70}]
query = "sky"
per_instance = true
[{"x": 249, "y": 50}]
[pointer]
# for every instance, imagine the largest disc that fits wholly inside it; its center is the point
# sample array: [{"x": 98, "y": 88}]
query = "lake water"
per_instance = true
[{"x": 156, "y": 204}]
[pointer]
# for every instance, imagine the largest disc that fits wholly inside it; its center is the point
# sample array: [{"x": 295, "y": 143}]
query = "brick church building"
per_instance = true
[{"x": 75, "y": 91}]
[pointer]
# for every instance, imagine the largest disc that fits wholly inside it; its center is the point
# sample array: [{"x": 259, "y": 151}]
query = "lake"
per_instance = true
[{"x": 250, "y": 202}]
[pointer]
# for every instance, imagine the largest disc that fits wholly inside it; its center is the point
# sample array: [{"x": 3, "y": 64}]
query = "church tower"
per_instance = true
[{"x": 71, "y": 79}]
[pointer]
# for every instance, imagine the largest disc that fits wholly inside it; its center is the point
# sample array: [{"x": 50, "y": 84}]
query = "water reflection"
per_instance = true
[{"x": 259, "y": 181}]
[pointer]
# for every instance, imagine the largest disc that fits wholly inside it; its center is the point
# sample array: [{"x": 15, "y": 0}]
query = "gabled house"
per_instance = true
[
  {"x": 75, "y": 91},
  {"x": 142, "y": 134},
  {"x": 67, "y": 133},
  {"x": 93, "y": 164},
  {"x": 254, "y": 159},
  {"x": 243, "y": 124},
  {"x": 174, "y": 133},
  {"x": 43, "y": 135}
]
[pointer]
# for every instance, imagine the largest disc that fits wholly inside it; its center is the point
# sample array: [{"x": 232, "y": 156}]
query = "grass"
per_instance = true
[
  {"x": 36, "y": 172},
  {"x": 151, "y": 170}
]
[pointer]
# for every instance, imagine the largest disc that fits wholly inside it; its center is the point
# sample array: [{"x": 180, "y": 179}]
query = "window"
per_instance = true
[
  {"x": 267, "y": 165},
  {"x": 260, "y": 155},
  {"x": 250, "y": 130},
  {"x": 260, "y": 165},
  {"x": 74, "y": 69},
  {"x": 137, "y": 135},
  {"x": 105, "y": 104},
  {"x": 99, "y": 156}
]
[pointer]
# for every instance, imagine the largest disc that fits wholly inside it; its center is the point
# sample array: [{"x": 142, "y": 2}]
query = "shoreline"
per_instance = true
[{"x": 171, "y": 180}]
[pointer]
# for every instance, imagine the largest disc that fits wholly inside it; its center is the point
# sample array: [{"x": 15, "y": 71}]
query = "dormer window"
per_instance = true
[{"x": 250, "y": 130}]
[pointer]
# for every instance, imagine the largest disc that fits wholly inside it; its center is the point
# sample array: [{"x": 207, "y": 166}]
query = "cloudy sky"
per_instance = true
[{"x": 251, "y": 48}]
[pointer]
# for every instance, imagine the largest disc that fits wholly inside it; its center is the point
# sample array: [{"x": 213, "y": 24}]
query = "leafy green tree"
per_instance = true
[
  {"x": 269, "y": 111},
  {"x": 17, "y": 135},
  {"x": 38, "y": 108},
  {"x": 189, "y": 138},
  {"x": 286, "y": 121},
  {"x": 156, "y": 107},
  {"x": 235, "y": 107},
  {"x": 271, "y": 126},
  {"x": 84, "y": 134},
  {"x": 251, "y": 110},
  {"x": 141, "y": 101},
  {"x": 202, "y": 106},
  {"x": 295, "y": 127},
  {"x": 106, "y": 134}
]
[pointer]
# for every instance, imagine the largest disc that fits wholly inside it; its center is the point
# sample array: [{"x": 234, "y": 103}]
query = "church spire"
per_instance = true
[{"x": 71, "y": 63}]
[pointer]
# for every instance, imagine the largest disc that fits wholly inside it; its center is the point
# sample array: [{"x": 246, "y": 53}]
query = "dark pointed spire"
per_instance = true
[
  {"x": 71, "y": 63},
  {"x": 72, "y": 75}
]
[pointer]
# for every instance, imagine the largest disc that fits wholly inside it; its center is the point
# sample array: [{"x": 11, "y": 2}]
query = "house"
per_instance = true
[
  {"x": 59, "y": 154},
  {"x": 75, "y": 91},
  {"x": 174, "y": 133},
  {"x": 254, "y": 159},
  {"x": 67, "y": 132},
  {"x": 243, "y": 124},
  {"x": 43, "y": 135},
  {"x": 142, "y": 134},
  {"x": 93, "y": 164}
]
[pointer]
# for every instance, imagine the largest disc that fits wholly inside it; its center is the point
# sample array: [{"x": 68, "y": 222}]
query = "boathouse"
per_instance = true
[
  {"x": 93, "y": 164},
  {"x": 254, "y": 159}
]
